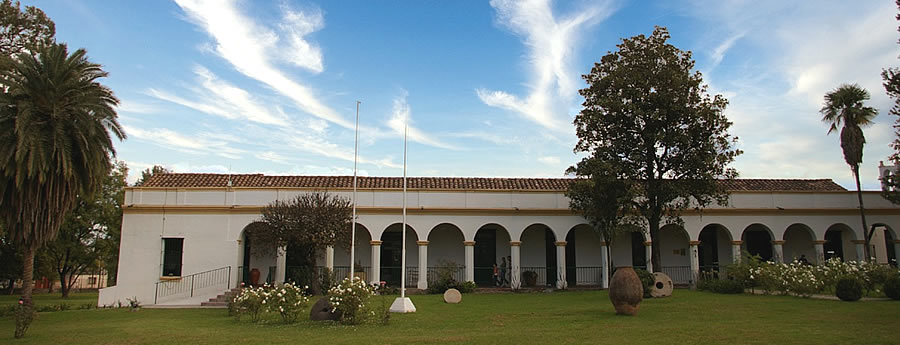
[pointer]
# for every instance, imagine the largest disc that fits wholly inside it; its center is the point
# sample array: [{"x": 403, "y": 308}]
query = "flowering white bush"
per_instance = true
[
  {"x": 288, "y": 300},
  {"x": 804, "y": 279},
  {"x": 249, "y": 301},
  {"x": 351, "y": 298}
]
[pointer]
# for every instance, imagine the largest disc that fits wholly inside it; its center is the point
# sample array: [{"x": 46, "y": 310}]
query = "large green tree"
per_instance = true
[
  {"x": 23, "y": 31},
  {"x": 845, "y": 108},
  {"x": 56, "y": 127},
  {"x": 87, "y": 238},
  {"x": 304, "y": 225},
  {"x": 648, "y": 115}
]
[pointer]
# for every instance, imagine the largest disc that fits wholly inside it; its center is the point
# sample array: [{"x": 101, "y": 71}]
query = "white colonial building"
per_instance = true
[{"x": 183, "y": 235}]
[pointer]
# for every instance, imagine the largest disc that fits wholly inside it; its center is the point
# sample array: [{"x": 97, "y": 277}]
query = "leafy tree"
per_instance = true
[
  {"x": 604, "y": 200},
  {"x": 56, "y": 121},
  {"x": 304, "y": 225},
  {"x": 891, "y": 77},
  {"x": 845, "y": 107},
  {"x": 22, "y": 32},
  {"x": 649, "y": 122},
  {"x": 149, "y": 172},
  {"x": 86, "y": 238}
]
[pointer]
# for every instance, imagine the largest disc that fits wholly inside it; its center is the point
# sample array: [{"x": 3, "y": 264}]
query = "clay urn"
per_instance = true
[
  {"x": 254, "y": 277},
  {"x": 626, "y": 291}
]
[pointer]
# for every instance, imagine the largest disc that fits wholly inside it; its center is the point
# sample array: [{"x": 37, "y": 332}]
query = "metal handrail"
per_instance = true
[{"x": 192, "y": 282}]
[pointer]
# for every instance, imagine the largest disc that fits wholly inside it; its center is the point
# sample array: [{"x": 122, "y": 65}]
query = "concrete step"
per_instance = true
[{"x": 214, "y": 304}]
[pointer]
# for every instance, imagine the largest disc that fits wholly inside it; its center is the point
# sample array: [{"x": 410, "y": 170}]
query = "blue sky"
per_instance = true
[{"x": 489, "y": 88}]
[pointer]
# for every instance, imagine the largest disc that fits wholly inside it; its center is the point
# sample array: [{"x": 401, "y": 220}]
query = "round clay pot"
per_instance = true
[
  {"x": 254, "y": 277},
  {"x": 626, "y": 291}
]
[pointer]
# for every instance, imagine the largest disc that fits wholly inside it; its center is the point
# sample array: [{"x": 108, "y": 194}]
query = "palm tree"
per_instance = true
[
  {"x": 845, "y": 105},
  {"x": 55, "y": 143}
]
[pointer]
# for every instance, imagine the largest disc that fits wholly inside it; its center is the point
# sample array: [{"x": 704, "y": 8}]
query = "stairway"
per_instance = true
[{"x": 222, "y": 299}]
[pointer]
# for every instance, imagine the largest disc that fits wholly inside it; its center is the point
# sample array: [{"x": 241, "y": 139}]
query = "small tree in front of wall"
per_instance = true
[{"x": 306, "y": 225}]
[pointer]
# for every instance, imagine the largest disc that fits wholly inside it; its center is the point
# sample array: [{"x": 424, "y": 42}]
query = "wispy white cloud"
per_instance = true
[
  {"x": 549, "y": 160},
  {"x": 551, "y": 44},
  {"x": 129, "y": 106},
  {"x": 221, "y": 98},
  {"x": 400, "y": 118},
  {"x": 300, "y": 52},
  {"x": 719, "y": 53},
  {"x": 801, "y": 51},
  {"x": 199, "y": 144},
  {"x": 253, "y": 49}
]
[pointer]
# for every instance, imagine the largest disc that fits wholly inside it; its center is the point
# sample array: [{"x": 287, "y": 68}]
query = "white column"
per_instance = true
[
  {"x": 820, "y": 252},
  {"x": 470, "y": 260},
  {"x": 561, "y": 282},
  {"x": 778, "y": 251},
  {"x": 280, "y": 268},
  {"x": 860, "y": 250},
  {"x": 515, "y": 275},
  {"x": 375, "y": 277},
  {"x": 649, "y": 254},
  {"x": 329, "y": 258},
  {"x": 422, "y": 284},
  {"x": 736, "y": 251},
  {"x": 695, "y": 263},
  {"x": 604, "y": 263}
]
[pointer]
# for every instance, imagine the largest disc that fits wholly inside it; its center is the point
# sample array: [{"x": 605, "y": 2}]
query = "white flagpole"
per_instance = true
[
  {"x": 403, "y": 254},
  {"x": 403, "y": 304},
  {"x": 353, "y": 220}
]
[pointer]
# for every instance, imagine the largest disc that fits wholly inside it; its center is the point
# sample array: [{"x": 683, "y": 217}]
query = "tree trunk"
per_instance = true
[
  {"x": 64, "y": 286},
  {"x": 867, "y": 235},
  {"x": 654, "y": 244},
  {"x": 25, "y": 314}
]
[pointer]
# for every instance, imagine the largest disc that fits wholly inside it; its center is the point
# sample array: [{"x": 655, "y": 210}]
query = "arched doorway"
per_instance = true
[
  {"x": 757, "y": 240},
  {"x": 446, "y": 253},
  {"x": 839, "y": 243},
  {"x": 392, "y": 255},
  {"x": 715, "y": 251},
  {"x": 363, "y": 246},
  {"x": 798, "y": 244},
  {"x": 675, "y": 253},
  {"x": 256, "y": 257},
  {"x": 491, "y": 247},
  {"x": 890, "y": 246},
  {"x": 583, "y": 261},
  {"x": 539, "y": 254}
]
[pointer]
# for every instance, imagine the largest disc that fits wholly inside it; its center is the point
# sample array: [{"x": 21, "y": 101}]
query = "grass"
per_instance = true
[
  {"x": 689, "y": 317},
  {"x": 75, "y": 299}
]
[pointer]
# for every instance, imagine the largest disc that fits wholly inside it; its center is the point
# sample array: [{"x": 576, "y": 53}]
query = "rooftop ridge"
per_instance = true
[{"x": 258, "y": 180}]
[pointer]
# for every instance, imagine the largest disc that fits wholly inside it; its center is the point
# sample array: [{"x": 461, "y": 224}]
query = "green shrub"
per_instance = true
[
  {"x": 351, "y": 297},
  {"x": 647, "y": 279},
  {"x": 467, "y": 287},
  {"x": 892, "y": 287},
  {"x": 726, "y": 286},
  {"x": 849, "y": 289}
]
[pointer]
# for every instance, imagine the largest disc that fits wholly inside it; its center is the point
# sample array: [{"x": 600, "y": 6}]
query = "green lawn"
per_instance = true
[
  {"x": 75, "y": 299},
  {"x": 559, "y": 318}
]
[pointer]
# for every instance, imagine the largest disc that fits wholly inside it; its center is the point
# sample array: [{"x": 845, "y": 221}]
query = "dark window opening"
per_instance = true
[{"x": 173, "y": 249}]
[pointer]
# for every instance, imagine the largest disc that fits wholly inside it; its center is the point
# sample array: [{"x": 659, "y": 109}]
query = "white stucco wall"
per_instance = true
[{"x": 211, "y": 222}]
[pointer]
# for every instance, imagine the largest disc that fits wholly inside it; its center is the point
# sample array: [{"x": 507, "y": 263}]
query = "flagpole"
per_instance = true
[
  {"x": 353, "y": 220},
  {"x": 403, "y": 255},
  {"x": 403, "y": 304}
]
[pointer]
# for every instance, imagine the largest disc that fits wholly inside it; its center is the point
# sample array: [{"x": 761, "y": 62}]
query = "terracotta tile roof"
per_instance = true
[{"x": 178, "y": 180}]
